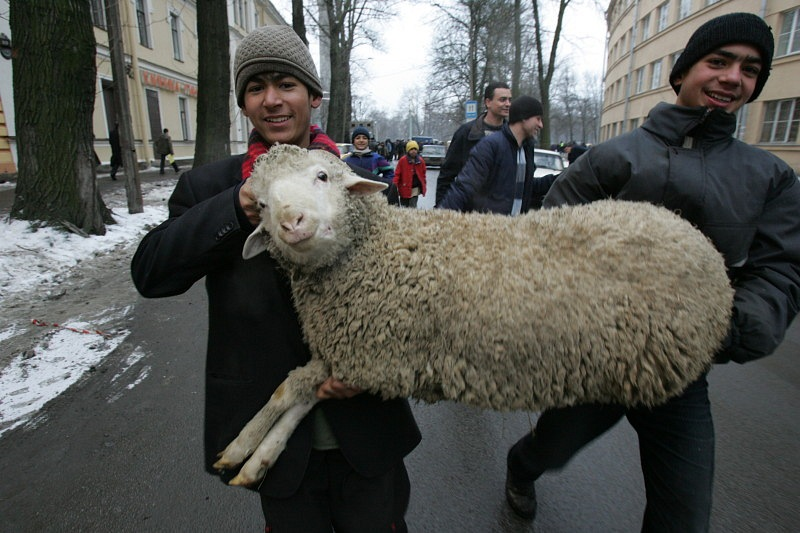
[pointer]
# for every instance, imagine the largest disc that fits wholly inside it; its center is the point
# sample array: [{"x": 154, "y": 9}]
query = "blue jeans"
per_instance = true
[{"x": 676, "y": 450}]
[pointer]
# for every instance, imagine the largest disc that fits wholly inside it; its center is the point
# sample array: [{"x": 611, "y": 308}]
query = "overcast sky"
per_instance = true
[{"x": 407, "y": 36}]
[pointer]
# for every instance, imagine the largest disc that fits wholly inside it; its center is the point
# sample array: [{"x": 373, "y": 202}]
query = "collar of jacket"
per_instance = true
[{"x": 673, "y": 123}]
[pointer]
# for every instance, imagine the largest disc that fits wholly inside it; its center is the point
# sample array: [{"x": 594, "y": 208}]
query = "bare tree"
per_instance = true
[
  {"x": 343, "y": 25},
  {"x": 299, "y": 20},
  {"x": 54, "y": 87},
  {"x": 214, "y": 82},
  {"x": 546, "y": 69},
  {"x": 122, "y": 110},
  {"x": 472, "y": 48}
]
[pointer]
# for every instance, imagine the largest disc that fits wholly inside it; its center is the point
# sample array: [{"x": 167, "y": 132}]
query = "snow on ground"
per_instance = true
[{"x": 31, "y": 258}]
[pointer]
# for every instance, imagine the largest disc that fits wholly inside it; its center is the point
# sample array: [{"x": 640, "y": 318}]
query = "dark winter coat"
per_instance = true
[
  {"x": 373, "y": 162},
  {"x": 746, "y": 200},
  {"x": 464, "y": 140},
  {"x": 254, "y": 338},
  {"x": 487, "y": 182}
]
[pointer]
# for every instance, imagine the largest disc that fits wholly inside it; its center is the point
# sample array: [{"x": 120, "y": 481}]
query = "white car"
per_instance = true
[{"x": 547, "y": 162}]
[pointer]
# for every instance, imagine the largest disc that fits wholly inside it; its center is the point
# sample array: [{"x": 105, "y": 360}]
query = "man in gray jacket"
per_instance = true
[{"x": 746, "y": 201}]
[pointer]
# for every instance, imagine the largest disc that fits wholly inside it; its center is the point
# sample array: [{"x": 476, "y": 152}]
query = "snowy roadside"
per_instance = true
[{"x": 64, "y": 300}]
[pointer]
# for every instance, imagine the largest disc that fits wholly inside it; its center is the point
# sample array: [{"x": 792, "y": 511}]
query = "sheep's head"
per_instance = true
[{"x": 305, "y": 197}]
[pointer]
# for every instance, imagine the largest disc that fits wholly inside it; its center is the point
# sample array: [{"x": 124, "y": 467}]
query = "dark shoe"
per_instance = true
[{"x": 521, "y": 497}]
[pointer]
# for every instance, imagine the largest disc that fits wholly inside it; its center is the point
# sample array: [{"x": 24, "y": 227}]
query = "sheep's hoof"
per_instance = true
[{"x": 240, "y": 481}]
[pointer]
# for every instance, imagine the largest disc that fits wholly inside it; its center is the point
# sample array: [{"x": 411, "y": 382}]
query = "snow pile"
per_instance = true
[{"x": 31, "y": 261}]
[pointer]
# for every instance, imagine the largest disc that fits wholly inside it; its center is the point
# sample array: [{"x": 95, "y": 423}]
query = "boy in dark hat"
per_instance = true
[
  {"x": 684, "y": 157},
  {"x": 498, "y": 176},
  {"x": 343, "y": 466},
  {"x": 364, "y": 157}
]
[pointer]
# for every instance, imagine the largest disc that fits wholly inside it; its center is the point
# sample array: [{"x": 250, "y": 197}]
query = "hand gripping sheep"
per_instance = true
[{"x": 609, "y": 302}]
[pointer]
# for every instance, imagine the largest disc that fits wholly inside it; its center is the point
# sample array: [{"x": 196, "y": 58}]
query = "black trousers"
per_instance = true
[
  {"x": 676, "y": 450},
  {"x": 174, "y": 163},
  {"x": 334, "y": 497}
]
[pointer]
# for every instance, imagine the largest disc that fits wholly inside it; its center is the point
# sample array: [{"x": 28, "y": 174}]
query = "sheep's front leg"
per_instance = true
[
  {"x": 273, "y": 444},
  {"x": 299, "y": 387}
]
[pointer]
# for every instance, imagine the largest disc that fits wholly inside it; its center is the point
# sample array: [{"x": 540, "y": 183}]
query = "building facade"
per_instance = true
[
  {"x": 647, "y": 36},
  {"x": 161, "y": 55}
]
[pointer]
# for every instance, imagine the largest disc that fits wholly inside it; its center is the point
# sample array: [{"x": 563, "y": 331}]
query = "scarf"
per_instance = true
[{"x": 256, "y": 146}]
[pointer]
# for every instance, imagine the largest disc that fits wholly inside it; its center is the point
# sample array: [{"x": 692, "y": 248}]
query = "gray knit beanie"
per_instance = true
[
  {"x": 744, "y": 28},
  {"x": 274, "y": 49}
]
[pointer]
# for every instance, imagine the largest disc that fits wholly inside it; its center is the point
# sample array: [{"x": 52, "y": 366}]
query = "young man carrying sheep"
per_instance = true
[
  {"x": 343, "y": 467},
  {"x": 746, "y": 201},
  {"x": 498, "y": 176}
]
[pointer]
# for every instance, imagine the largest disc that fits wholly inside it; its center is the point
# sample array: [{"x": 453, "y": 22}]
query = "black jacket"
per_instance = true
[
  {"x": 746, "y": 201},
  {"x": 464, "y": 140},
  {"x": 487, "y": 182},
  {"x": 254, "y": 338}
]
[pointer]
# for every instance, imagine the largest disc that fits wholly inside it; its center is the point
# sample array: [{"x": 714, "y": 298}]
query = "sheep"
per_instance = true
[{"x": 608, "y": 302}]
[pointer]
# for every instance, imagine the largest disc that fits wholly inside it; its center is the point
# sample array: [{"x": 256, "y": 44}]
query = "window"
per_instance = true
[
  {"x": 663, "y": 16},
  {"x": 645, "y": 28},
  {"x": 655, "y": 81},
  {"x": 183, "y": 109},
  {"x": 98, "y": 13},
  {"x": 639, "y": 80},
  {"x": 685, "y": 9},
  {"x": 781, "y": 121},
  {"x": 175, "y": 28},
  {"x": 789, "y": 37},
  {"x": 141, "y": 20}
]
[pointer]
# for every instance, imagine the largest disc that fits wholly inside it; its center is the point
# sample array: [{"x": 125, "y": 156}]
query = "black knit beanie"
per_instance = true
[
  {"x": 744, "y": 28},
  {"x": 274, "y": 49},
  {"x": 524, "y": 107}
]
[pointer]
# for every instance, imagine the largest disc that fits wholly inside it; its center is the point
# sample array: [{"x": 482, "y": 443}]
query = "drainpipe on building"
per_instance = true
[{"x": 630, "y": 68}]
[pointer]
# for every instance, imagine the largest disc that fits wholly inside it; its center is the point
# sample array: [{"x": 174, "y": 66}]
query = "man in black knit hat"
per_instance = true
[
  {"x": 498, "y": 175},
  {"x": 684, "y": 157}
]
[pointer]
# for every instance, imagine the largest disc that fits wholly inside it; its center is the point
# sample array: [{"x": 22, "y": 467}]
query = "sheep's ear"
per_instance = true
[
  {"x": 361, "y": 186},
  {"x": 255, "y": 244}
]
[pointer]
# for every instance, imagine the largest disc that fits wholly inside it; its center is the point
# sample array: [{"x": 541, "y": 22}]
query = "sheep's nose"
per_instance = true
[
  {"x": 293, "y": 222},
  {"x": 295, "y": 229}
]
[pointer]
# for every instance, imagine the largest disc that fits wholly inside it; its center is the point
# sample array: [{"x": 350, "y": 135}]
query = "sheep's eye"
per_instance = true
[
  {"x": 262, "y": 204},
  {"x": 322, "y": 175}
]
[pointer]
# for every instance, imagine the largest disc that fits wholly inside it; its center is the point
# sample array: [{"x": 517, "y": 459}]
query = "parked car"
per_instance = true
[
  {"x": 547, "y": 162},
  {"x": 345, "y": 149},
  {"x": 433, "y": 154}
]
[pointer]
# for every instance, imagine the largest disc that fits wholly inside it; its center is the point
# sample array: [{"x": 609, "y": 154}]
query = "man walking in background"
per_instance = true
[{"x": 497, "y": 100}]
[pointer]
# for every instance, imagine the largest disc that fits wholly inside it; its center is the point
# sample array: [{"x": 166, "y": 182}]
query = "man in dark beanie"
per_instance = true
[
  {"x": 684, "y": 157},
  {"x": 343, "y": 466},
  {"x": 498, "y": 176}
]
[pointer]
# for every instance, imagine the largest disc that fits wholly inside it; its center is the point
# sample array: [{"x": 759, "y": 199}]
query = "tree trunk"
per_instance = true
[
  {"x": 299, "y": 20},
  {"x": 214, "y": 83},
  {"x": 54, "y": 87},
  {"x": 133, "y": 188},
  {"x": 516, "y": 74}
]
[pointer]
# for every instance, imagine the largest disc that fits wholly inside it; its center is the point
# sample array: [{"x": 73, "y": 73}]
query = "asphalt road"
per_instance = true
[{"x": 114, "y": 455}]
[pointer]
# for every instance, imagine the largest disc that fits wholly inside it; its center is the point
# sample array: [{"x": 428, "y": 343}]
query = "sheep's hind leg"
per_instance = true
[
  {"x": 298, "y": 387},
  {"x": 271, "y": 447}
]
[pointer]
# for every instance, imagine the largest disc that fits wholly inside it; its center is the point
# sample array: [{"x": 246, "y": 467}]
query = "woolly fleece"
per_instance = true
[{"x": 608, "y": 302}]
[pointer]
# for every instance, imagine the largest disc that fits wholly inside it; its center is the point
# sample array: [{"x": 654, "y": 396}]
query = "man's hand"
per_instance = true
[
  {"x": 249, "y": 203},
  {"x": 333, "y": 389}
]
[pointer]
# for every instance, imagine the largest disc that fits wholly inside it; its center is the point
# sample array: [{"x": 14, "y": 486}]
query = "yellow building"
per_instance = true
[
  {"x": 647, "y": 36},
  {"x": 161, "y": 52}
]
